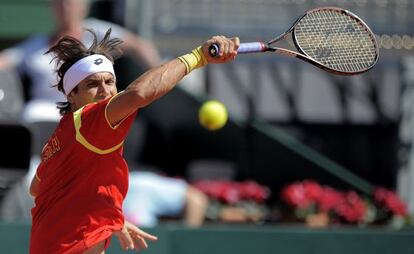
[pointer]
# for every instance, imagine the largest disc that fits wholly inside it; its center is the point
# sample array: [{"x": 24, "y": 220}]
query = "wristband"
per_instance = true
[{"x": 193, "y": 60}]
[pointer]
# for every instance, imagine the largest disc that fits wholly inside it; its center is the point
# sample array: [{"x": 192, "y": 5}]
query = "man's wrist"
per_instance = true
[{"x": 194, "y": 60}]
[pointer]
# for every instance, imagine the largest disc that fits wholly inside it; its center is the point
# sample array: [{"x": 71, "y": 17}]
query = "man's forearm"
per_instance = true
[{"x": 157, "y": 82}]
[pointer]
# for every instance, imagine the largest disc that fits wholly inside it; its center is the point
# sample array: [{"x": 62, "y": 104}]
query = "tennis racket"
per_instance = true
[{"x": 330, "y": 38}]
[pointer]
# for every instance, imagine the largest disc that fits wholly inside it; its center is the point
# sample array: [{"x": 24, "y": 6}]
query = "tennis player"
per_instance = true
[{"x": 82, "y": 180}]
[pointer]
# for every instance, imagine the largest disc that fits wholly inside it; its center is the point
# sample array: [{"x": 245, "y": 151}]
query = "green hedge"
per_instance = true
[{"x": 19, "y": 19}]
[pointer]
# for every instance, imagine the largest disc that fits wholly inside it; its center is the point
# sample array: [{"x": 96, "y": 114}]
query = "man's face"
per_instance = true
[{"x": 96, "y": 87}]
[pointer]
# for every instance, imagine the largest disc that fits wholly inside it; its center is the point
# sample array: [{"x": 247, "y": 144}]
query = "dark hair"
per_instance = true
[{"x": 69, "y": 50}]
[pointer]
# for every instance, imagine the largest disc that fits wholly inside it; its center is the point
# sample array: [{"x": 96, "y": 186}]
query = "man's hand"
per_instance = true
[
  {"x": 133, "y": 238},
  {"x": 227, "y": 49}
]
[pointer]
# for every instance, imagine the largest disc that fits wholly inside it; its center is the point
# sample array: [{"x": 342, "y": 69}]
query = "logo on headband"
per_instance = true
[{"x": 98, "y": 61}]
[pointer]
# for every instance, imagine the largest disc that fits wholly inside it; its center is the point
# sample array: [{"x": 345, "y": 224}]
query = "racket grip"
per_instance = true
[{"x": 244, "y": 48}]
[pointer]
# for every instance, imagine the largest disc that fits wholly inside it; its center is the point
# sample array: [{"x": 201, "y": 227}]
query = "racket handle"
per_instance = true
[{"x": 244, "y": 48}]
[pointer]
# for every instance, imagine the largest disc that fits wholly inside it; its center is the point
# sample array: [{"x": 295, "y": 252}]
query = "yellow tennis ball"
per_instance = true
[{"x": 213, "y": 115}]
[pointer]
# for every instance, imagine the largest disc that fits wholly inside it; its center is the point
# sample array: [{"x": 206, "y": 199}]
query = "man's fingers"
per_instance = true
[
  {"x": 140, "y": 233},
  {"x": 130, "y": 242},
  {"x": 125, "y": 240},
  {"x": 123, "y": 243},
  {"x": 236, "y": 43},
  {"x": 140, "y": 243}
]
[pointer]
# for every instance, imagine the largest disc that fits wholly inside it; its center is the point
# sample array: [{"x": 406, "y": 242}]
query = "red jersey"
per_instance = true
[{"x": 83, "y": 181}]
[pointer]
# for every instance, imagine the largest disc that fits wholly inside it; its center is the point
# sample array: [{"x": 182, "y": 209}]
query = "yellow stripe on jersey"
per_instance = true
[
  {"x": 106, "y": 116},
  {"x": 78, "y": 124},
  {"x": 37, "y": 177}
]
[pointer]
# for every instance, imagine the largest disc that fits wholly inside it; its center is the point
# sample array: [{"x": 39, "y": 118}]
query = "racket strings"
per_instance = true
[{"x": 336, "y": 40}]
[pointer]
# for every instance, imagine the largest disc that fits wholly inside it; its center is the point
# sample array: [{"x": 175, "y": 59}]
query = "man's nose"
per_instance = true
[{"x": 104, "y": 89}]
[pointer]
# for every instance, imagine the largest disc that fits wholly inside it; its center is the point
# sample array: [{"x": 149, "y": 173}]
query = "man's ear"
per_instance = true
[{"x": 70, "y": 97}]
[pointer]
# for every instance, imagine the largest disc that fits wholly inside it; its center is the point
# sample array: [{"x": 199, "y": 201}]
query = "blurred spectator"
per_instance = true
[
  {"x": 151, "y": 196},
  {"x": 29, "y": 59}
]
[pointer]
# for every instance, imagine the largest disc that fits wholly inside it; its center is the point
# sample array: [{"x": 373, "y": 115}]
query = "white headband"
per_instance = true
[{"x": 85, "y": 67}]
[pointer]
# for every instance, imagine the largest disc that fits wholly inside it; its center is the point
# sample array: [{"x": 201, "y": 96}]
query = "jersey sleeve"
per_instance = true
[{"x": 95, "y": 132}]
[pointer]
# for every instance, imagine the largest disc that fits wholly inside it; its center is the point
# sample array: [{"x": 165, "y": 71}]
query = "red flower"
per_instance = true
[
  {"x": 353, "y": 210},
  {"x": 295, "y": 195},
  {"x": 233, "y": 192},
  {"x": 210, "y": 188},
  {"x": 390, "y": 201},
  {"x": 302, "y": 194},
  {"x": 313, "y": 190},
  {"x": 329, "y": 199},
  {"x": 349, "y": 205},
  {"x": 251, "y": 190},
  {"x": 229, "y": 193}
]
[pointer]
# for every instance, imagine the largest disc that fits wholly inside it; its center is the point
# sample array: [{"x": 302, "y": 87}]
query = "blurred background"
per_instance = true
[{"x": 299, "y": 141}]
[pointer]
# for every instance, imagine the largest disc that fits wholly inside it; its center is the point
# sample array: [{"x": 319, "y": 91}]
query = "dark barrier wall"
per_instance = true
[{"x": 247, "y": 239}]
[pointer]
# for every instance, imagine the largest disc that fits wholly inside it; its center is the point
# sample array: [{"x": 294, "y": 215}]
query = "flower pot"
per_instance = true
[{"x": 319, "y": 220}]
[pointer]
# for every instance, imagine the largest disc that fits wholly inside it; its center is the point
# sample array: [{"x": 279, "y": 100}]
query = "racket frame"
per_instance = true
[{"x": 267, "y": 46}]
